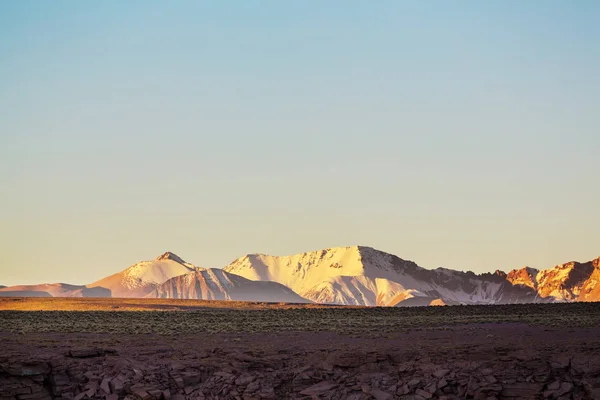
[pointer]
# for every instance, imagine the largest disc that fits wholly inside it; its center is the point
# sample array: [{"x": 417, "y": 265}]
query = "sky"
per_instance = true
[{"x": 452, "y": 133}]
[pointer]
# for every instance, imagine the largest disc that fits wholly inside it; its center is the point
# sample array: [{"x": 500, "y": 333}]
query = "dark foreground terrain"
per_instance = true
[{"x": 216, "y": 350}]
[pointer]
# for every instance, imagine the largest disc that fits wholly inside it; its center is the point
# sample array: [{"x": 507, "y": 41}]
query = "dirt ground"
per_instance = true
[{"x": 484, "y": 360}]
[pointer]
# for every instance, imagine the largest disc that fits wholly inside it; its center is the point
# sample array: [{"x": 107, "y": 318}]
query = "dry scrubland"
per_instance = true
[
  {"x": 137, "y": 316},
  {"x": 117, "y": 349}
]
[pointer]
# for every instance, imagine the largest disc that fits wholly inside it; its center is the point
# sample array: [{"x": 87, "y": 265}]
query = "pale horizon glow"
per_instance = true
[{"x": 455, "y": 134}]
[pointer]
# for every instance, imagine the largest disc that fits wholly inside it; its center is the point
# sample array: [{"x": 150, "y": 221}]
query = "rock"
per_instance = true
[
  {"x": 85, "y": 353},
  {"x": 141, "y": 393},
  {"x": 440, "y": 373},
  {"x": 380, "y": 394},
  {"x": 563, "y": 361},
  {"x": 43, "y": 394},
  {"x": 496, "y": 387},
  {"x": 23, "y": 390},
  {"x": 60, "y": 379},
  {"x": 178, "y": 396},
  {"x": 191, "y": 378},
  {"x": 565, "y": 388},
  {"x": 138, "y": 373},
  {"x": 155, "y": 393},
  {"x": 356, "y": 396},
  {"x": 413, "y": 383},
  {"x": 179, "y": 382},
  {"x": 116, "y": 386},
  {"x": 80, "y": 396},
  {"x": 28, "y": 369},
  {"x": 319, "y": 388},
  {"x": 266, "y": 393},
  {"x": 522, "y": 390},
  {"x": 91, "y": 376},
  {"x": 554, "y": 385},
  {"x": 350, "y": 359},
  {"x": 112, "y": 397},
  {"x": 244, "y": 380},
  {"x": 402, "y": 390},
  {"x": 104, "y": 386},
  {"x": 252, "y": 387},
  {"x": 166, "y": 394},
  {"x": 424, "y": 394}
]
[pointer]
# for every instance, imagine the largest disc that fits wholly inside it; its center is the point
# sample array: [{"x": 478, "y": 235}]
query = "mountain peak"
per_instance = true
[{"x": 170, "y": 256}]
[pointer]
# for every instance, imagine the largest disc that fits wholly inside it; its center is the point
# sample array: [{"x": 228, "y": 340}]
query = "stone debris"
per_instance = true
[
  {"x": 348, "y": 379},
  {"x": 90, "y": 352},
  {"x": 333, "y": 374},
  {"x": 319, "y": 388}
]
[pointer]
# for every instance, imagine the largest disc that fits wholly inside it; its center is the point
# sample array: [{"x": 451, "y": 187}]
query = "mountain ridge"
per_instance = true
[
  {"x": 361, "y": 271},
  {"x": 351, "y": 275}
]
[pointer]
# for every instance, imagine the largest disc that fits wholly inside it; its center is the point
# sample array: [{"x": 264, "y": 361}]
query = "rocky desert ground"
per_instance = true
[{"x": 176, "y": 349}]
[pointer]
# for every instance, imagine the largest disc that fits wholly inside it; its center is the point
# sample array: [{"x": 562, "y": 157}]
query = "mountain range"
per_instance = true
[{"x": 354, "y": 275}]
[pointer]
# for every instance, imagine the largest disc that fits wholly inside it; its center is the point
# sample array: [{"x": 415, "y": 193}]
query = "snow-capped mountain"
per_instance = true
[
  {"x": 346, "y": 275},
  {"x": 53, "y": 290},
  {"x": 216, "y": 284},
  {"x": 142, "y": 278},
  {"x": 365, "y": 276}
]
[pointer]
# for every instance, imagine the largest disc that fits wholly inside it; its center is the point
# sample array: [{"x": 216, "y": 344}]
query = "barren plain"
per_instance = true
[{"x": 181, "y": 349}]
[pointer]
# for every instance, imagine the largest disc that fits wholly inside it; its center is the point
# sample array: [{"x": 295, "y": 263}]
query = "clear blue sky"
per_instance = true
[{"x": 461, "y": 134}]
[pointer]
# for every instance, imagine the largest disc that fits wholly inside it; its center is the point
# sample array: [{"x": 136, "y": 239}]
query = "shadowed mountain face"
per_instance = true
[
  {"x": 216, "y": 284},
  {"x": 23, "y": 293},
  {"x": 347, "y": 275}
]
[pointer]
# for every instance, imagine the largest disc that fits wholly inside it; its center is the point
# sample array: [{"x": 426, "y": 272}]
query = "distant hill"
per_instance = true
[{"x": 53, "y": 290}]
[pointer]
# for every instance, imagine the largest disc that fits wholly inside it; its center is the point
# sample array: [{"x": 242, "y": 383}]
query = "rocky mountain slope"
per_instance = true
[
  {"x": 216, "y": 284},
  {"x": 365, "y": 276},
  {"x": 572, "y": 281},
  {"x": 142, "y": 278},
  {"x": 53, "y": 290}
]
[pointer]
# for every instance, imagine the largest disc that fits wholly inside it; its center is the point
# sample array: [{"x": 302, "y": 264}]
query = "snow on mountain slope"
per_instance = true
[
  {"x": 301, "y": 271},
  {"x": 216, "y": 284},
  {"x": 359, "y": 290},
  {"x": 365, "y": 276},
  {"x": 564, "y": 282},
  {"x": 142, "y": 278},
  {"x": 54, "y": 290}
]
